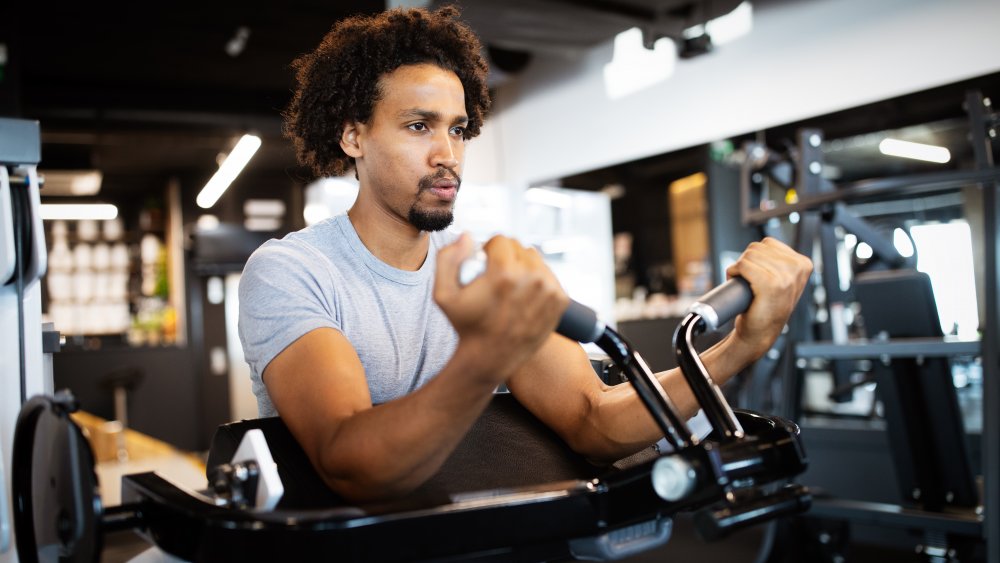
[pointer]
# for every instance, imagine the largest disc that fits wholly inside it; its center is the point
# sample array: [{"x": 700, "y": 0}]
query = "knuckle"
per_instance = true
[{"x": 505, "y": 281}]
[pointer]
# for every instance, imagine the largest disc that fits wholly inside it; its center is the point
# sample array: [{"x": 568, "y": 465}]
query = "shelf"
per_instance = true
[
  {"x": 915, "y": 184},
  {"x": 895, "y": 347}
]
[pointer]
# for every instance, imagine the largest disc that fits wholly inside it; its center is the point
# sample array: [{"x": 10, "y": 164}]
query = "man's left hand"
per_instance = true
[{"x": 777, "y": 275}]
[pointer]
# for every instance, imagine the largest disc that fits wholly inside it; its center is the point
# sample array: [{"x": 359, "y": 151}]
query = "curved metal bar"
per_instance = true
[
  {"x": 708, "y": 394},
  {"x": 659, "y": 405}
]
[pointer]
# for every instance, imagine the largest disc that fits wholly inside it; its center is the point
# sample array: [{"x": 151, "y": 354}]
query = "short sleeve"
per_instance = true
[{"x": 285, "y": 292}]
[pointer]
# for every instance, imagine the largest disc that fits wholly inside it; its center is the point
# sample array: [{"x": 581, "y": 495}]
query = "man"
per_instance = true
[{"x": 366, "y": 308}]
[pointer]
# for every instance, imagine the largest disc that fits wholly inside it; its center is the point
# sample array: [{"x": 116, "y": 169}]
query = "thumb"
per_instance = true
[{"x": 449, "y": 261}]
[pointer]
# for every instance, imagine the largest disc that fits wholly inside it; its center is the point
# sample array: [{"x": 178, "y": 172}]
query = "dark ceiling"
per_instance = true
[
  {"x": 142, "y": 91},
  {"x": 146, "y": 90}
]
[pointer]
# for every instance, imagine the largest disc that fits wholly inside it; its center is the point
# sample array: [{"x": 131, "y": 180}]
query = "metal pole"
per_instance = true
[{"x": 978, "y": 108}]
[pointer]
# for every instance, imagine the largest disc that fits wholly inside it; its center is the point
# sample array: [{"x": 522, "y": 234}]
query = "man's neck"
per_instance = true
[{"x": 388, "y": 237}]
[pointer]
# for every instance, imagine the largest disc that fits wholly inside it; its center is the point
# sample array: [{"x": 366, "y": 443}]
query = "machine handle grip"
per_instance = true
[
  {"x": 722, "y": 304},
  {"x": 578, "y": 322}
]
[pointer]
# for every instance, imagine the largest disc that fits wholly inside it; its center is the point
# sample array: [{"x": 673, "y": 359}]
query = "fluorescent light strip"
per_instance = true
[
  {"x": 916, "y": 151},
  {"x": 228, "y": 171},
  {"x": 78, "y": 211}
]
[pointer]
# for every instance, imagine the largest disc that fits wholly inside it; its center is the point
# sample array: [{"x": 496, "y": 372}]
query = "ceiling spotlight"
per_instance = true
[
  {"x": 696, "y": 45},
  {"x": 236, "y": 45}
]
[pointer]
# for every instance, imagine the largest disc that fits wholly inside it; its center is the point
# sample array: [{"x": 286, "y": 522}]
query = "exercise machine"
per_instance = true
[
  {"x": 734, "y": 478},
  {"x": 24, "y": 370}
]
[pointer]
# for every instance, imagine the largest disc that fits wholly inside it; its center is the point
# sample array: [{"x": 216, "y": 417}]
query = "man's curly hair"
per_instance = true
[{"x": 338, "y": 82}]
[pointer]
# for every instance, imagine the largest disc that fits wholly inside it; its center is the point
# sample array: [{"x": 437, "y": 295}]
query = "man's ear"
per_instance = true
[{"x": 349, "y": 140}]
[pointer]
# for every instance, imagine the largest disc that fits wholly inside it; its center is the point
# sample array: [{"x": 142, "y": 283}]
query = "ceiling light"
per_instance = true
[
  {"x": 236, "y": 45},
  {"x": 916, "y": 151},
  {"x": 228, "y": 171},
  {"x": 78, "y": 211}
]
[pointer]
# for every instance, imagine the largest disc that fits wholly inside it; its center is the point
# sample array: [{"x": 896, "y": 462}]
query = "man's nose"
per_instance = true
[{"x": 445, "y": 152}]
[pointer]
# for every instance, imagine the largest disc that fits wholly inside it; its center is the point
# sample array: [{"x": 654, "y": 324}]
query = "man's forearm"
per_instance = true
[
  {"x": 391, "y": 449},
  {"x": 722, "y": 361},
  {"x": 622, "y": 425}
]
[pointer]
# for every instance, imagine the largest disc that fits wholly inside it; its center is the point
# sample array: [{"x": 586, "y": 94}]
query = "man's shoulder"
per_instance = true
[{"x": 309, "y": 243}]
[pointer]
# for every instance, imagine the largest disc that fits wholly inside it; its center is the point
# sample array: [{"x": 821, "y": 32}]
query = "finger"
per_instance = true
[
  {"x": 449, "y": 261},
  {"x": 533, "y": 259},
  {"x": 771, "y": 255},
  {"x": 501, "y": 253},
  {"x": 757, "y": 275}
]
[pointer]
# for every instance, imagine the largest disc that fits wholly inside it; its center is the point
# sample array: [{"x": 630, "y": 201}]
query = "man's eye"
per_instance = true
[
  {"x": 458, "y": 131},
  {"x": 418, "y": 126}
]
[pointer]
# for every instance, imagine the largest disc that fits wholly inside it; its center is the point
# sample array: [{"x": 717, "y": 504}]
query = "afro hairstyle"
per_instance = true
[{"x": 338, "y": 82}]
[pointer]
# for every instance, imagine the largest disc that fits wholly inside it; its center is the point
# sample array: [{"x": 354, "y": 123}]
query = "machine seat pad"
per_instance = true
[{"x": 506, "y": 447}]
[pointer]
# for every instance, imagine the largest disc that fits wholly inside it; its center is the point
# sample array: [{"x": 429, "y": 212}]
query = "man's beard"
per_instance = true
[
  {"x": 433, "y": 219},
  {"x": 430, "y": 219}
]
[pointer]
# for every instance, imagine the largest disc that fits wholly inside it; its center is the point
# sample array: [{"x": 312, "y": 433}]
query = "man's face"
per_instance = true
[{"x": 412, "y": 149}]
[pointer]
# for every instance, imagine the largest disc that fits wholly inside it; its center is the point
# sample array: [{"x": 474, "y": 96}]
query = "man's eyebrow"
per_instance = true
[{"x": 429, "y": 115}]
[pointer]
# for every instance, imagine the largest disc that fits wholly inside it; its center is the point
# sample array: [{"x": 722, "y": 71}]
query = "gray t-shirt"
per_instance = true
[{"x": 323, "y": 276}]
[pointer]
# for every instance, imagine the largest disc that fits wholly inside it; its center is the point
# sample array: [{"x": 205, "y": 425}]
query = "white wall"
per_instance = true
[{"x": 802, "y": 59}]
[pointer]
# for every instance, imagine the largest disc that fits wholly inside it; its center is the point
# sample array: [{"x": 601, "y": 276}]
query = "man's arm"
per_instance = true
[
  {"x": 608, "y": 423},
  {"x": 319, "y": 388}
]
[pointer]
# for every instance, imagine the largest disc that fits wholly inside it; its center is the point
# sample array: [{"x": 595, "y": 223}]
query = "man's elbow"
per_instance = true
[{"x": 359, "y": 484}]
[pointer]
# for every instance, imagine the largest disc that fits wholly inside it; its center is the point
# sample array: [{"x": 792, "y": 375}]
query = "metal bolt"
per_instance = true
[
  {"x": 916, "y": 493},
  {"x": 951, "y": 553},
  {"x": 801, "y": 363},
  {"x": 993, "y": 133},
  {"x": 838, "y": 558},
  {"x": 815, "y": 167},
  {"x": 824, "y": 538},
  {"x": 814, "y": 140},
  {"x": 950, "y": 496},
  {"x": 920, "y": 548},
  {"x": 987, "y": 102},
  {"x": 773, "y": 354}
]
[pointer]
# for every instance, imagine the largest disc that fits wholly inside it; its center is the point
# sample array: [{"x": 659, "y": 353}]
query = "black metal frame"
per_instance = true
[
  {"x": 816, "y": 198},
  {"x": 982, "y": 121}
]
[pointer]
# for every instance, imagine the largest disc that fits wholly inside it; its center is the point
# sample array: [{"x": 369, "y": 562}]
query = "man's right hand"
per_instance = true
[{"x": 506, "y": 314}]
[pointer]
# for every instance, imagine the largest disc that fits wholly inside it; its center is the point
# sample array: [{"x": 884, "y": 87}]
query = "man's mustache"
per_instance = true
[{"x": 427, "y": 182}]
